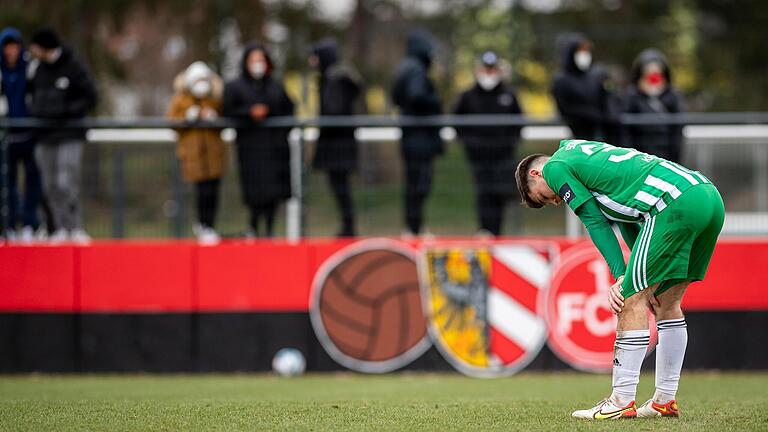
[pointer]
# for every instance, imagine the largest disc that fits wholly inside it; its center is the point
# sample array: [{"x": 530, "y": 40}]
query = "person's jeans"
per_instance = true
[
  {"x": 60, "y": 165},
  {"x": 23, "y": 153}
]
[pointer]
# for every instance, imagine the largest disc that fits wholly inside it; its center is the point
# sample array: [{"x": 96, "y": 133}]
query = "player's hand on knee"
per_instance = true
[{"x": 615, "y": 299}]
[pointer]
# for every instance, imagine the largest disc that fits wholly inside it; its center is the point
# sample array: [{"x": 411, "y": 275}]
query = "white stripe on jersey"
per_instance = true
[
  {"x": 661, "y": 205},
  {"x": 679, "y": 172},
  {"x": 617, "y": 207},
  {"x": 662, "y": 186},
  {"x": 652, "y": 221},
  {"x": 615, "y": 219},
  {"x": 647, "y": 198},
  {"x": 638, "y": 255},
  {"x": 696, "y": 173}
]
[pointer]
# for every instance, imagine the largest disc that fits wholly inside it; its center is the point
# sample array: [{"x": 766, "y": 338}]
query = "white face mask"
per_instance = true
[
  {"x": 200, "y": 89},
  {"x": 257, "y": 69},
  {"x": 582, "y": 59},
  {"x": 488, "y": 81}
]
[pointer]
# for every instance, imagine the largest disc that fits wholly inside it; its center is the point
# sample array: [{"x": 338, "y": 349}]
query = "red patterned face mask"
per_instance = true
[{"x": 655, "y": 78}]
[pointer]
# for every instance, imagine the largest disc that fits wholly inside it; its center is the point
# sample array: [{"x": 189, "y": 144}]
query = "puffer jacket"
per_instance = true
[{"x": 202, "y": 152}]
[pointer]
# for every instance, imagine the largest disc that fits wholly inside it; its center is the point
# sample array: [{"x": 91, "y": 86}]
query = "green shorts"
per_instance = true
[{"x": 676, "y": 244}]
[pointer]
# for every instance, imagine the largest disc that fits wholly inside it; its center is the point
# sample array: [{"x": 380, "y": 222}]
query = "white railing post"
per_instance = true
[{"x": 293, "y": 207}]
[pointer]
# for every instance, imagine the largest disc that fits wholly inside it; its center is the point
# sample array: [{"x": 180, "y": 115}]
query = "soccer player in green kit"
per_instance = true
[{"x": 670, "y": 217}]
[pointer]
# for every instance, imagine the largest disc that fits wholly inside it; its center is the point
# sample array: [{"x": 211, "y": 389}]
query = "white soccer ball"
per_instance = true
[{"x": 289, "y": 362}]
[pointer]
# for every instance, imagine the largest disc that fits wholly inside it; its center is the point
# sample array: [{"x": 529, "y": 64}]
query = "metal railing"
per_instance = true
[{"x": 707, "y": 134}]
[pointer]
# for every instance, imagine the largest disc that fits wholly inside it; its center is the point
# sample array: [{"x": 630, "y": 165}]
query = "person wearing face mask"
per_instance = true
[
  {"x": 340, "y": 91},
  {"x": 577, "y": 91},
  {"x": 490, "y": 150},
  {"x": 414, "y": 93},
  {"x": 201, "y": 152},
  {"x": 263, "y": 155},
  {"x": 61, "y": 89},
  {"x": 651, "y": 91}
]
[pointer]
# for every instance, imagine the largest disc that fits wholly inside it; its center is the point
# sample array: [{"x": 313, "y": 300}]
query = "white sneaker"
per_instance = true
[
  {"x": 27, "y": 235},
  {"x": 59, "y": 236},
  {"x": 607, "y": 410},
  {"x": 80, "y": 237},
  {"x": 197, "y": 229},
  {"x": 207, "y": 236},
  {"x": 41, "y": 236},
  {"x": 652, "y": 409}
]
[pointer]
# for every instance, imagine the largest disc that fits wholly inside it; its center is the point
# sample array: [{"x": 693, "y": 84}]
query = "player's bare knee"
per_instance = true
[{"x": 669, "y": 310}]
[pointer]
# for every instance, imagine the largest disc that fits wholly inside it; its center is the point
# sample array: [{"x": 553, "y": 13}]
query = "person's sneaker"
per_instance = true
[
  {"x": 79, "y": 236},
  {"x": 59, "y": 236},
  {"x": 652, "y": 409},
  {"x": 607, "y": 410},
  {"x": 41, "y": 235},
  {"x": 27, "y": 235},
  {"x": 207, "y": 236}
]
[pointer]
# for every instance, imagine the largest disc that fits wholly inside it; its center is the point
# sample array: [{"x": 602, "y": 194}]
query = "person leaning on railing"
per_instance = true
[
  {"x": 340, "y": 90},
  {"x": 201, "y": 152},
  {"x": 415, "y": 94},
  {"x": 62, "y": 88},
  {"x": 18, "y": 145},
  {"x": 263, "y": 155},
  {"x": 490, "y": 150}
]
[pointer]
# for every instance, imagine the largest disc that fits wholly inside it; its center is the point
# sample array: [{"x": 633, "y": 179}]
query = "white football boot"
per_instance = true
[{"x": 607, "y": 410}]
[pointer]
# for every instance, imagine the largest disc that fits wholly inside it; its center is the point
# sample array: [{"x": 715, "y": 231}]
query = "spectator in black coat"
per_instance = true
[
  {"x": 62, "y": 88},
  {"x": 415, "y": 94},
  {"x": 652, "y": 92},
  {"x": 340, "y": 90},
  {"x": 578, "y": 92},
  {"x": 490, "y": 150},
  {"x": 263, "y": 154}
]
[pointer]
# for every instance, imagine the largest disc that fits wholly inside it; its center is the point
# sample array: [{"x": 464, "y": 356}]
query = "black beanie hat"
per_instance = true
[{"x": 46, "y": 38}]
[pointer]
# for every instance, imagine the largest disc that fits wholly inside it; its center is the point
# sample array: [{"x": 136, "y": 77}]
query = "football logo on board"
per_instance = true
[
  {"x": 582, "y": 327},
  {"x": 366, "y": 308},
  {"x": 481, "y": 304}
]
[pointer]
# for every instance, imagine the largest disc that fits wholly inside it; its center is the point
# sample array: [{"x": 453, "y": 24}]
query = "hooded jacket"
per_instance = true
[
  {"x": 415, "y": 94},
  {"x": 13, "y": 84},
  {"x": 661, "y": 140},
  {"x": 62, "y": 90},
  {"x": 262, "y": 153},
  {"x": 577, "y": 93},
  {"x": 13, "y": 81},
  {"x": 340, "y": 90},
  {"x": 201, "y": 152}
]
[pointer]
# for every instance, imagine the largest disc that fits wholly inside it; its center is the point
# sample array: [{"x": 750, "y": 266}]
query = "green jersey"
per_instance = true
[{"x": 627, "y": 185}]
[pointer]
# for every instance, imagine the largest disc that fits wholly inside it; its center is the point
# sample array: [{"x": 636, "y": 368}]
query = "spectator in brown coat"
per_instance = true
[{"x": 201, "y": 152}]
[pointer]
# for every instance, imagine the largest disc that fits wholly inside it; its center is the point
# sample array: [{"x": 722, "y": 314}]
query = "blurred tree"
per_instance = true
[{"x": 135, "y": 47}]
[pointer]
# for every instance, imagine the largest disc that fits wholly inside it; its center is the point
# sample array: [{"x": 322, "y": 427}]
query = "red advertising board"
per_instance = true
[{"x": 261, "y": 276}]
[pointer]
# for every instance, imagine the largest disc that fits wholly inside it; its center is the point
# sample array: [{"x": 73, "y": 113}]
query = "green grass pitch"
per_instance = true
[{"x": 406, "y": 401}]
